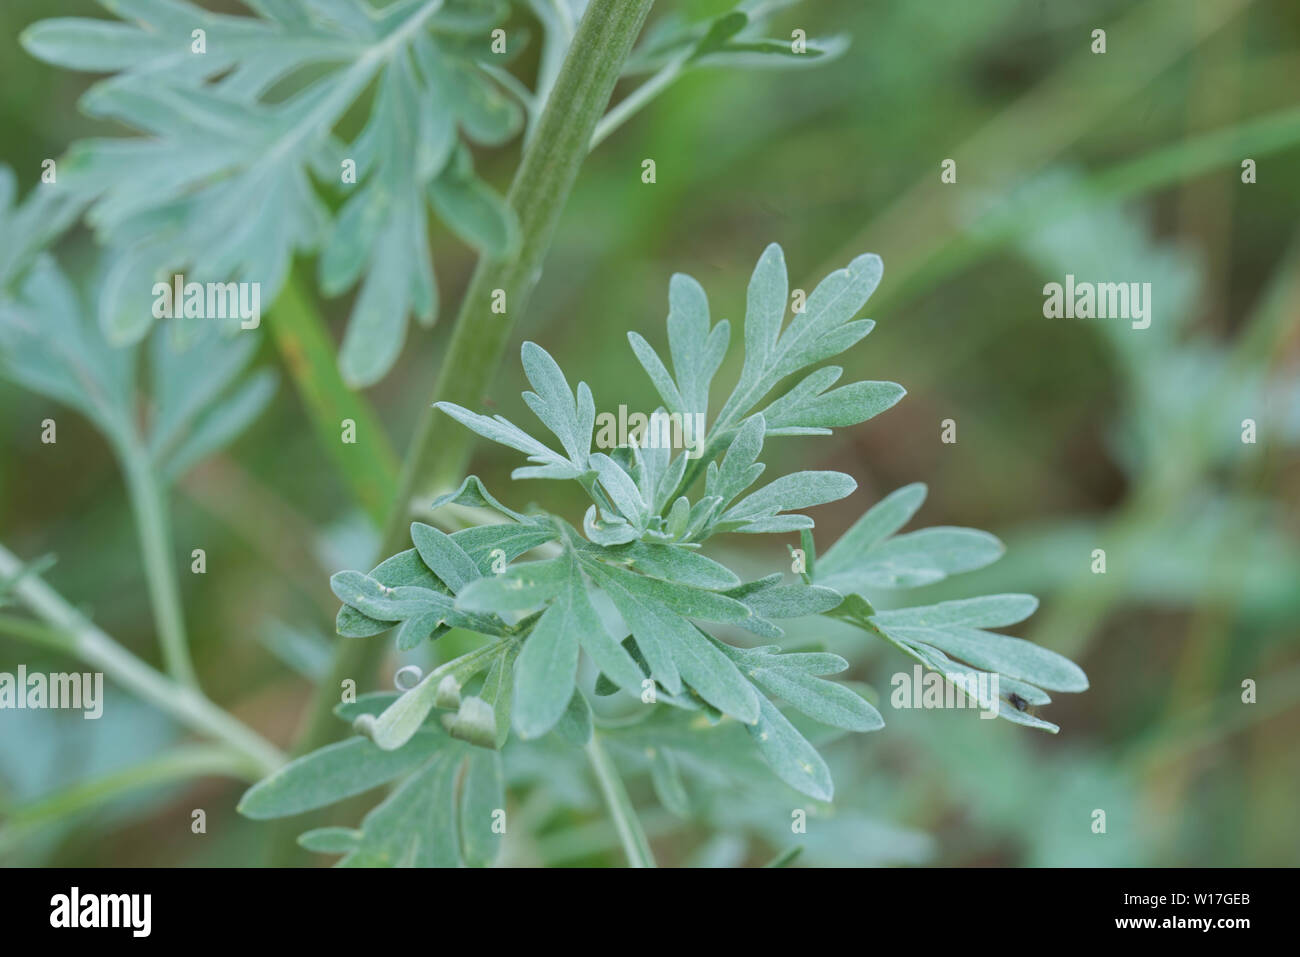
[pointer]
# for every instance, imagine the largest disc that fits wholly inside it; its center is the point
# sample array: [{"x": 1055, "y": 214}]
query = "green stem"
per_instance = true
[
  {"x": 150, "y": 509},
  {"x": 86, "y": 641},
  {"x": 638, "y": 98},
  {"x": 369, "y": 465},
  {"x": 440, "y": 447},
  {"x": 177, "y": 765},
  {"x": 633, "y": 838}
]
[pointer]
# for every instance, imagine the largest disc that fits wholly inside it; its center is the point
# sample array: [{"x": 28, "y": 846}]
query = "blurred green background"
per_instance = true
[{"x": 1072, "y": 434}]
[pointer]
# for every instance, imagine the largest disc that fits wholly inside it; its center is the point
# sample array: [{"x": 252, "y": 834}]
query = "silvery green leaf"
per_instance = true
[
  {"x": 794, "y": 679},
  {"x": 789, "y": 754},
  {"x": 48, "y": 346},
  {"x": 553, "y": 402},
  {"x": 404, "y": 568},
  {"x": 673, "y": 647},
  {"x": 789, "y": 492},
  {"x": 687, "y": 600},
  {"x": 740, "y": 467},
  {"x": 678, "y": 517},
  {"x": 445, "y": 558},
  {"x": 765, "y": 306},
  {"x": 881, "y": 521},
  {"x": 961, "y": 677},
  {"x": 622, "y": 490},
  {"x": 472, "y": 210},
  {"x": 808, "y": 408},
  {"x": 406, "y": 715},
  {"x": 648, "y": 625},
  {"x": 472, "y": 492},
  {"x": 201, "y": 398},
  {"x": 825, "y": 701},
  {"x": 376, "y": 600},
  {"x": 618, "y": 661},
  {"x": 674, "y": 563},
  {"x": 668, "y": 482},
  {"x": 483, "y": 797},
  {"x": 697, "y": 350},
  {"x": 989, "y": 651},
  {"x": 1032, "y": 695},
  {"x": 508, "y": 542},
  {"x": 399, "y": 279},
  {"x": 333, "y": 773},
  {"x": 330, "y": 840},
  {"x": 764, "y": 54},
  {"x": 667, "y": 782},
  {"x": 221, "y": 424},
  {"x": 790, "y": 601},
  {"x": 417, "y": 825},
  {"x": 608, "y": 530},
  {"x": 748, "y": 588},
  {"x": 545, "y": 672},
  {"x": 778, "y": 524},
  {"x": 658, "y": 373},
  {"x": 220, "y": 183},
  {"x": 824, "y": 328},
  {"x": 915, "y": 559},
  {"x": 575, "y": 725},
  {"x": 498, "y": 692},
  {"x": 474, "y": 722},
  {"x": 553, "y": 470},
  {"x": 709, "y": 672},
  {"x": 701, "y": 516},
  {"x": 462, "y": 84},
  {"x": 988, "y": 611},
  {"x": 507, "y": 433},
  {"x": 809, "y": 548},
  {"x": 31, "y": 225},
  {"x": 189, "y": 367},
  {"x": 419, "y": 628},
  {"x": 520, "y": 588}
]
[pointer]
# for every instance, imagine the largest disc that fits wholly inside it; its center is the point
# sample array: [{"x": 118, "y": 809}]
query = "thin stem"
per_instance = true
[
  {"x": 633, "y": 838},
  {"x": 86, "y": 641},
  {"x": 638, "y": 98},
  {"x": 150, "y": 509},
  {"x": 180, "y": 764},
  {"x": 439, "y": 449},
  {"x": 369, "y": 465}
]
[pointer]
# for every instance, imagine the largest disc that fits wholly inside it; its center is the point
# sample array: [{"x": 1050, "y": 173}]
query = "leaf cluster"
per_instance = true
[{"x": 631, "y": 589}]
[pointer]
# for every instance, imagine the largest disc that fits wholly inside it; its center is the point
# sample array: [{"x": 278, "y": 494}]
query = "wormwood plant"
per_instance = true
[
  {"x": 338, "y": 127},
  {"x": 629, "y": 589},
  {"x": 334, "y": 127}
]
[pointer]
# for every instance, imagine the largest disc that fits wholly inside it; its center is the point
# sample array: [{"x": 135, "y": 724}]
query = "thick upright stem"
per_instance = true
[{"x": 439, "y": 449}]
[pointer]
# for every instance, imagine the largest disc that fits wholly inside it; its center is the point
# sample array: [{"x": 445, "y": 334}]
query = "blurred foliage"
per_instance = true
[{"x": 1072, "y": 435}]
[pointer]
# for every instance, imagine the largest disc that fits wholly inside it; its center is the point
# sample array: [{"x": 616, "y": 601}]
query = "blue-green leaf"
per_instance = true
[{"x": 333, "y": 773}]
